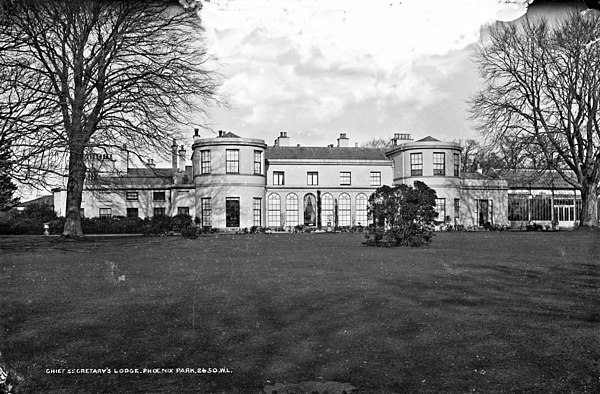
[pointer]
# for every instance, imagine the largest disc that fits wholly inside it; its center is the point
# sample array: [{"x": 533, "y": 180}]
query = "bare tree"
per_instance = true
[
  {"x": 542, "y": 93},
  {"x": 92, "y": 73},
  {"x": 379, "y": 143}
]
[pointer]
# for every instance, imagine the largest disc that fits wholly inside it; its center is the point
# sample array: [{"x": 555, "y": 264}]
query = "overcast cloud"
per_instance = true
[{"x": 369, "y": 69}]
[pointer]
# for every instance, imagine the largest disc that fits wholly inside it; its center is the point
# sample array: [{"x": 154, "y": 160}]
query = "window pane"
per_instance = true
[
  {"x": 291, "y": 209},
  {"x": 257, "y": 162},
  {"x": 131, "y": 196},
  {"x": 440, "y": 208},
  {"x": 416, "y": 164},
  {"x": 327, "y": 210},
  {"x": 205, "y": 162},
  {"x": 456, "y": 164},
  {"x": 206, "y": 212},
  {"x": 132, "y": 213},
  {"x": 278, "y": 178},
  {"x": 345, "y": 178},
  {"x": 183, "y": 210},
  {"x": 439, "y": 163},
  {"x": 257, "y": 212},
  {"x": 344, "y": 210},
  {"x": 361, "y": 210},
  {"x": 159, "y": 196},
  {"x": 312, "y": 178},
  {"x": 375, "y": 178},
  {"x": 232, "y": 161},
  {"x": 274, "y": 210}
]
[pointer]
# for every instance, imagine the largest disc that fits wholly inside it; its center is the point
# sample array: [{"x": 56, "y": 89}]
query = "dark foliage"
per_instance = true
[{"x": 404, "y": 216}]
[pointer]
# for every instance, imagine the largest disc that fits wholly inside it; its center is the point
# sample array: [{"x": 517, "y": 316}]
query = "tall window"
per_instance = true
[
  {"x": 344, "y": 210},
  {"x": 158, "y": 196},
  {"x": 375, "y": 178},
  {"x": 232, "y": 211},
  {"x": 257, "y": 212},
  {"x": 132, "y": 213},
  {"x": 416, "y": 164},
  {"x": 440, "y": 208},
  {"x": 327, "y": 210},
  {"x": 274, "y": 210},
  {"x": 257, "y": 162},
  {"x": 205, "y": 162},
  {"x": 206, "y": 212},
  {"x": 278, "y": 178},
  {"x": 105, "y": 212},
  {"x": 131, "y": 196},
  {"x": 456, "y": 208},
  {"x": 232, "y": 161},
  {"x": 312, "y": 178},
  {"x": 345, "y": 178},
  {"x": 160, "y": 211},
  {"x": 439, "y": 163},
  {"x": 291, "y": 209},
  {"x": 518, "y": 207},
  {"x": 456, "y": 164},
  {"x": 361, "y": 210},
  {"x": 183, "y": 210}
]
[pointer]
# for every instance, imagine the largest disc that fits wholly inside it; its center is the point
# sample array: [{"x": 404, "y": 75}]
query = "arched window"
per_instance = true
[
  {"x": 274, "y": 210},
  {"x": 344, "y": 213},
  {"x": 361, "y": 209},
  {"x": 291, "y": 209},
  {"x": 327, "y": 210}
]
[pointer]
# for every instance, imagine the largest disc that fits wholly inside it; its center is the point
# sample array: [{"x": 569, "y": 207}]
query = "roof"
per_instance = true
[
  {"x": 46, "y": 200},
  {"x": 139, "y": 177},
  {"x": 476, "y": 175},
  {"x": 535, "y": 179},
  {"x": 329, "y": 153},
  {"x": 428, "y": 139}
]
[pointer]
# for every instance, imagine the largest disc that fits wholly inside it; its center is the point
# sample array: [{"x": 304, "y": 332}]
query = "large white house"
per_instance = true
[{"x": 235, "y": 182}]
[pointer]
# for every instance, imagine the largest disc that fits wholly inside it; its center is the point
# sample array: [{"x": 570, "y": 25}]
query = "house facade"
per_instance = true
[{"x": 235, "y": 183}]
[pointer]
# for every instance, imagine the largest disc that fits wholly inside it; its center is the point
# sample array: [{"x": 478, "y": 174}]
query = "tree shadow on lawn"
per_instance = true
[{"x": 520, "y": 328}]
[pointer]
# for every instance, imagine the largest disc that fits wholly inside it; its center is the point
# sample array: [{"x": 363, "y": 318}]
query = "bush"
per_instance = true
[
  {"x": 189, "y": 232},
  {"x": 405, "y": 216}
]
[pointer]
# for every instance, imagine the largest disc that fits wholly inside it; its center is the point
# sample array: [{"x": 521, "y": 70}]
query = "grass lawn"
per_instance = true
[{"x": 483, "y": 312}]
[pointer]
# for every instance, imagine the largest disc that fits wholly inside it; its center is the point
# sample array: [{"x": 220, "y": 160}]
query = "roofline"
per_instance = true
[
  {"x": 424, "y": 144},
  {"x": 219, "y": 141}
]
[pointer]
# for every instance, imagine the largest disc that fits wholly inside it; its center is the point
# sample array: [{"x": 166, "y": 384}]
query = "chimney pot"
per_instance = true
[{"x": 196, "y": 131}]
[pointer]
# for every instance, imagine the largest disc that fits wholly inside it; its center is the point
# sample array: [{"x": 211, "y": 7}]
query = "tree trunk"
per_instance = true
[
  {"x": 589, "y": 205},
  {"x": 74, "y": 194}
]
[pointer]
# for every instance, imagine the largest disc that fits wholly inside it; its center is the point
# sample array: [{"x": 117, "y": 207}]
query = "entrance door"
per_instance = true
[
  {"x": 310, "y": 210},
  {"x": 232, "y": 212},
  {"x": 484, "y": 209},
  {"x": 565, "y": 214}
]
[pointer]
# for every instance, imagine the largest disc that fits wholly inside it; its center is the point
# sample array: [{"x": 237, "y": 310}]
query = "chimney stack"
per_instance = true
[
  {"x": 174, "y": 156},
  {"x": 150, "y": 163},
  {"x": 181, "y": 158},
  {"x": 283, "y": 139},
  {"x": 400, "y": 137},
  {"x": 342, "y": 141}
]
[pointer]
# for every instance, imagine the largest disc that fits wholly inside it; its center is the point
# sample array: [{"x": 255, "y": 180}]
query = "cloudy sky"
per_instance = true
[{"x": 316, "y": 68}]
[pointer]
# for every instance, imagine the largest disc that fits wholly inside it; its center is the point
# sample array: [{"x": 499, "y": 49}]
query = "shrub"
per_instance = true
[
  {"x": 405, "y": 216},
  {"x": 190, "y": 232}
]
